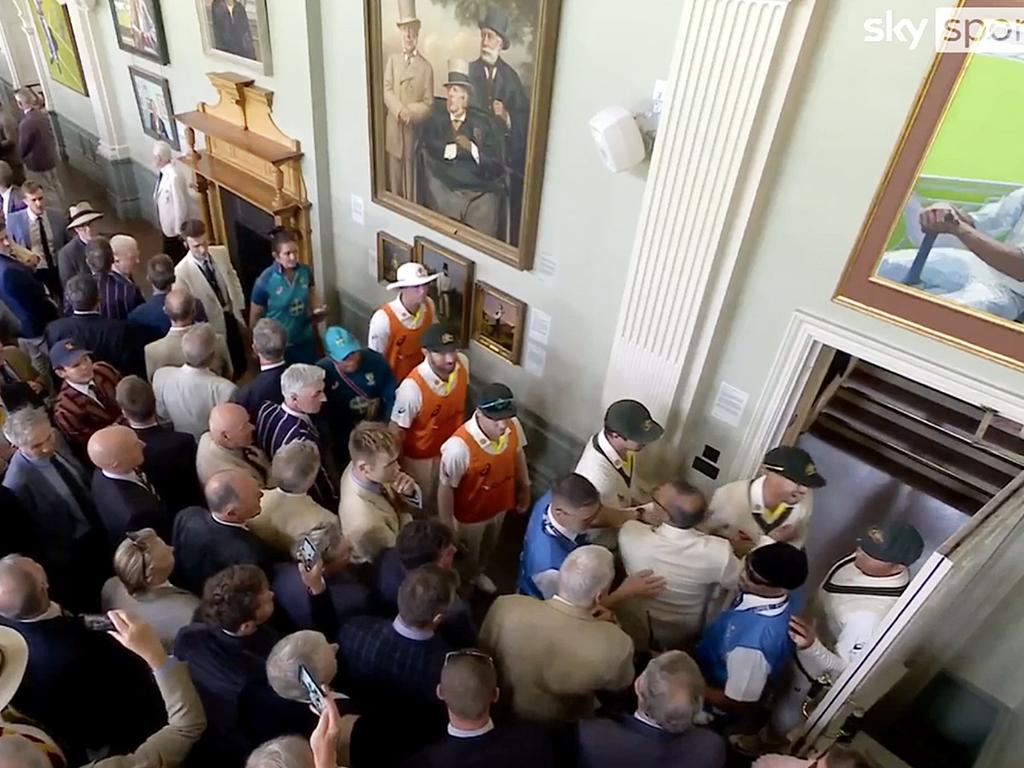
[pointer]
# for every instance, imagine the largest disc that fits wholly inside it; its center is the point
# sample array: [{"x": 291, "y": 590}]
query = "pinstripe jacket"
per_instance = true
[
  {"x": 276, "y": 427},
  {"x": 78, "y": 416}
]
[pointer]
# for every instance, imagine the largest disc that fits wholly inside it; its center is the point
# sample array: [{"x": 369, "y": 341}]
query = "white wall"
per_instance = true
[
  {"x": 609, "y": 52},
  {"x": 844, "y": 122},
  {"x": 17, "y": 48}
]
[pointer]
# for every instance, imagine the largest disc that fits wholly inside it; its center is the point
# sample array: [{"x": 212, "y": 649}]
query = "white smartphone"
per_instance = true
[
  {"x": 308, "y": 553},
  {"x": 316, "y": 695}
]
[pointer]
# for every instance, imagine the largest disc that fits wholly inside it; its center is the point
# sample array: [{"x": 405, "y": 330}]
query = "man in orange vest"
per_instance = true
[
  {"x": 397, "y": 328},
  {"x": 429, "y": 406},
  {"x": 483, "y": 475}
]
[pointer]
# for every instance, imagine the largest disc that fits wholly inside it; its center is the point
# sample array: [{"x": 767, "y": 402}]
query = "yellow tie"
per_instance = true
[{"x": 771, "y": 515}]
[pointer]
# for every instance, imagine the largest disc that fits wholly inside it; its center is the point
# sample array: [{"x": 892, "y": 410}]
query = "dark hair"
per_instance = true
[
  {"x": 180, "y": 305},
  {"x": 192, "y": 228},
  {"x": 421, "y": 541},
  {"x": 6, "y": 174},
  {"x": 160, "y": 272},
  {"x": 82, "y": 292},
  {"x": 426, "y": 592},
  {"x": 281, "y": 235},
  {"x": 99, "y": 256},
  {"x": 679, "y": 517},
  {"x": 135, "y": 397},
  {"x": 231, "y": 596},
  {"x": 575, "y": 491}
]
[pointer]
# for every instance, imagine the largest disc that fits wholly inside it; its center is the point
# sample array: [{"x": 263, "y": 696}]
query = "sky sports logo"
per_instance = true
[{"x": 954, "y": 30}]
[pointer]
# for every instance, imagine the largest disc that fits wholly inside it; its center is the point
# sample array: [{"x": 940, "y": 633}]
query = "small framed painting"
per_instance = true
[
  {"x": 452, "y": 292},
  {"x": 391, "y": 254},
  {"x": 236, "y": 30},
  {"x": 498, "y": 322},
  {"x": 153, "y": 99},
  {"x": 140, "y": 29}
]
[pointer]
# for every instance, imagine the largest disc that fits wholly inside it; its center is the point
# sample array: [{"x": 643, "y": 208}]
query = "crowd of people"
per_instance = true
[{"x": 224, "y": 547}]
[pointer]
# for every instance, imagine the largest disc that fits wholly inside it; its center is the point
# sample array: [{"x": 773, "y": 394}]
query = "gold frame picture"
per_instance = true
[
  {"x": 385, "y": 241},
  {"x": 453, "y": 298},
  {"x": 504, "y": 339},
  {"x": 259, "y": 31},
  {"x": 492, "y": 202}
]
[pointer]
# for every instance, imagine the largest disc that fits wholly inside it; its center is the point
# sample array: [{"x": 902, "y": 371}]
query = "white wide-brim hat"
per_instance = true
[
  {"x": 411, "y": 275},
  {"x": 14, "y": 652}
]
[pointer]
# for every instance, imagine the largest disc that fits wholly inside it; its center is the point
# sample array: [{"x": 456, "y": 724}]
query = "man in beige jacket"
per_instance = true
[
  {"x": 180, "y": 308},
  {"x": 229, "y": 445},
  {"x": 554, "y": 655}
]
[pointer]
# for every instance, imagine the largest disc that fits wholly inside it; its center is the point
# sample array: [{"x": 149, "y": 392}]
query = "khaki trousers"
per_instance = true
[
  {"x": 476, "y": 545},
  {"x": 426, "y": 472}
]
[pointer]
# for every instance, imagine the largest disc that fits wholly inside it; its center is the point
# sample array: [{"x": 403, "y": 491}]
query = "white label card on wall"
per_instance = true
[
  {"x": 534, "y": 359},
  {"x": 540, "y": 326},
  {"x": 358, "y": 210},
  {"x": 729, "y": 405},
  {"x": 546, "y": 267},
  {"x": 371, "y": 263}
]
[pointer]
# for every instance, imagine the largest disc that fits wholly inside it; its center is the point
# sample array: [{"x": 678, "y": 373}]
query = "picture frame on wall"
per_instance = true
[
  {"x": 429, "y": 65},
  {"x": 452, "y": 292},
  {"x": 139, "y": 27},
  {"x": 57, "y": 44},
  {"x": 153, "y": 100},
  {"x": 940, "y": 249},
  {"x": 498, "y": 322},
  {"x": 236, "y": 30},
  {"x": 391, "y": 254}
]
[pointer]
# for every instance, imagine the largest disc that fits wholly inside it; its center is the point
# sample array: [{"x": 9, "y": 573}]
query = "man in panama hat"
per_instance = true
[{"x": 71, "y": 258}]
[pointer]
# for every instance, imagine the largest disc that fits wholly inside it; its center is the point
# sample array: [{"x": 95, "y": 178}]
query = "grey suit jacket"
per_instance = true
[
  {"x": 19, "y": 228},
  {"x": 71, "y": 260},
  {"x": 167, "y": 352}
]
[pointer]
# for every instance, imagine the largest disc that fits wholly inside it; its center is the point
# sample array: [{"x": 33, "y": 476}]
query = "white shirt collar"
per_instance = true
[
  {"x": 33, "y": 215},
  {"x": 473, "y": 428},
  {"x": 672, "y": 532},
  {"x": 557, "y": 526},
  {"x": 131, "y": 477},
  {"x": 748, "y": 601},
  {"x": 228, "y": 523},
  {"x": 200, "y": 262},
  {"x": 83, "y": 388},
  {"x": 646, "y": 720},
  {"x": 52, "y": 612},
  {"x": 411, "y": 633},
  {"x": 458, "y": 733},
  {"x": 609, "y": 452},
  {"x": 271, "y": 366},
  {"x": 296, "y": 414},
  {"x": 403, "y": 314},
  {"x": 138, "y": 425},
  {"x": 181, "y": 328},
  {"x": 86, "y": 312}
]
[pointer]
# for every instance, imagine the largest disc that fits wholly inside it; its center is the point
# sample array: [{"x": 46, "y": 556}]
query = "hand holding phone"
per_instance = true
[
  {"x": 97, "y": 622},
  {"x": 313, "y": 690},
  {"x": 308, "y": 554}
]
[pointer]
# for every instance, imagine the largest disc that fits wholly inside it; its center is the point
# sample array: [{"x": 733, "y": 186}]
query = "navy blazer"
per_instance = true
[
  {"x": 25, "y": 297},
  {"x": 19, "y": 227},
  {"x": 203, "y": 547},
  {"x": 150, "y": 315},
  {"x": 169, "y": 461},
  {"x": 610, "y": 743},
  {"x": 124, "y": 506},
  {"x": 264, "y": 388},
  {"x": 110, "y": 341},
  {"x": 507, "y": 746},
  {"x": 291, "y": 597}
]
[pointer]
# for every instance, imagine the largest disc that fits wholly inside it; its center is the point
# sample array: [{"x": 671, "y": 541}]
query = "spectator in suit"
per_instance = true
[
  {"x": 125, "y": 249},
  {"x": 109, "y": 341},
  {"x": 229, "y": 444},
  {"x": 286, "y": 510},
  {"x": 422, "y": 542},
  {"x": 20, "y": 384},
  {"x": 140, "y": 585},
  {"x": 468, "y": 688},
  {"x": 41, "y": 230},
  {"x": 661, "y": 733},
  {"x": 37, "y": 147},
  {"x": 168, "y": 457},
  {"x": 349, "y": 596},
  {"x": 53, "y": 491},
  {"x": 302, "y": 387},
  {"x": 208, "y": 540},
  {"x": 531, "y": 640},
  {"x": 86, "y": 401},
  {"x": 185, "y": 395},
  {"x": 18, "y": 538},
  {"x": 180, "y": 308},
  {"x": 150, "y": 314},
  {"x": 26, "y": 299},
  {"x": 173, "y": 200},
  {"x": 10, "y": 193},
  {"x": 71, "y": 257},
  {"x": 68, "y": 665},
  {"x": 125, "y": 499},
  {"x": 118, "y": 294},
  {"x": 269, "y": 340}
]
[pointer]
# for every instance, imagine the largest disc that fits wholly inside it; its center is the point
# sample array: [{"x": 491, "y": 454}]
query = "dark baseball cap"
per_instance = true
[
  {"x": 893, "y": 542},
  {"x": 439, "y": 338},
  {"x": 66, "y": 352},
  {"x": 633, "y": 421},
  {"x": 497, "y": 402},
  {"x": 794, "y": 464},
  {"x": 779, "y": 565}
]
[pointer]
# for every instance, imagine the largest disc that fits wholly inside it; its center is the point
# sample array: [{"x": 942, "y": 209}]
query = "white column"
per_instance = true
[
  {"x": 732, "y": 66},
  {"x": 28, "y": 26},
  {"x": 101, "y": 96},
  {"x": 8, "y": 54}
]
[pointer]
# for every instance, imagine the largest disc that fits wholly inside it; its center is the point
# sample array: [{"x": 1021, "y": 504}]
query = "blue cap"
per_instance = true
[
  {"x": 66, "y": 352},
  {"x": 339, "y": 343}
]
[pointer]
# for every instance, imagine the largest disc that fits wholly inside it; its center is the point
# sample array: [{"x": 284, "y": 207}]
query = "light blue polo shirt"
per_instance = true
[
  {"x": 287, "y": 302},
  {"x": 544, "y": 548}
]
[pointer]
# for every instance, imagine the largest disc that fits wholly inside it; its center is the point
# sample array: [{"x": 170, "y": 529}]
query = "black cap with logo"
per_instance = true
[
  {"x": 439, "y": 338},
  {"x": 633, "y": 421},
  {"x": 794, "y": 464},
  {"x": 497, "y": 402}
]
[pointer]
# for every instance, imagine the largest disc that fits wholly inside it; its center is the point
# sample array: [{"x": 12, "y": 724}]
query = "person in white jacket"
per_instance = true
[{"x": 172, "y": 198}]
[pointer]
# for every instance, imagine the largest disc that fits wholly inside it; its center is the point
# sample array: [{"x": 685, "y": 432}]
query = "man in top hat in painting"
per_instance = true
[
  {"x": 498, "y": 91},
  {"x": 464, "y": 156},
  {"x": 408, "y": 96}
]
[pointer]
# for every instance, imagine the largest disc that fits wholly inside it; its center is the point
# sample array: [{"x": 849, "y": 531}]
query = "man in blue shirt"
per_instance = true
[{"x": 359, "y": 386}]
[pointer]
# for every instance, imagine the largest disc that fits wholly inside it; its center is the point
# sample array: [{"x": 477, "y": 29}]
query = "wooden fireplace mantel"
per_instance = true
[{"x": 247, "y": 154}]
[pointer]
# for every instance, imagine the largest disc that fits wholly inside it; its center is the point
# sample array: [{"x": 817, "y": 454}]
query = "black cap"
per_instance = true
[
  {"x": 779, "y": 565},
  {"x": 439, "y": 338},
  {"x": 497, "y": 402},
  {"x": 894, "y": 542},
  {"x": 794, "y": 464},
  {"x": 633, "y": 421}
]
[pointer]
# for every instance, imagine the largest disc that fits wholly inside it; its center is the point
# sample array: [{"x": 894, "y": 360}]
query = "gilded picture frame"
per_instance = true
[
  {"x": 916, "y": 271},
  {"x": 244, "y": 45},
  {"x": 498, "y": 321},
  {"x": 153, "y": 100},
  {"x": 491, "y": 202},
  {"x": 391, "y": 254},
  {"x": 139, "y": 27},
  {"x": 57, "y": 44},
  {"x": 452, "y": 292}
]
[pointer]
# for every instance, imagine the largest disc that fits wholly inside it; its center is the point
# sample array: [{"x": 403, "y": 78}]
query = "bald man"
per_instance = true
[
  {"x": 207, "y": 541},
  {"x": 229, "y": 445},
  {"x": 122, "y": 294},
  {"x": 125, "y": 499},
  {"x": 180, "y": 308}
]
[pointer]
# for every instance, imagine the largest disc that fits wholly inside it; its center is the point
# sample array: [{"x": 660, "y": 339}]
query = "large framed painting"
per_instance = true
[
  {"x": 452, "y": 292},
  {"x": 942, "y": 249},
  {"x": 139, "y": 27},
  {"x": 460, "y": 92},
  {"x": 57, "y": 44},
  {"x": 236, "y": 30},
  {"x": 153, "y": 99}
]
